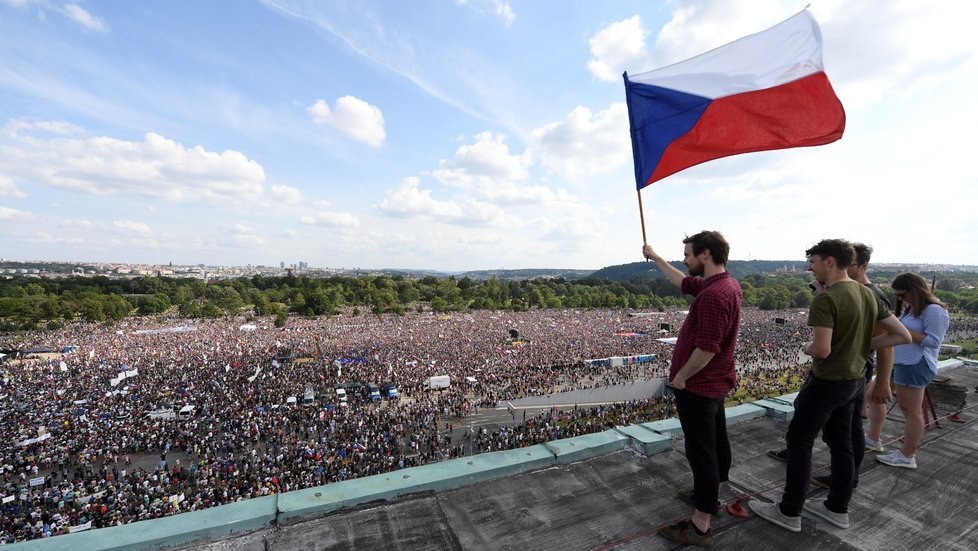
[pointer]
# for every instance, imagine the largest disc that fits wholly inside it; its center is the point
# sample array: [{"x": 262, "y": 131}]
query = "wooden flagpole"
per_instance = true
[{"x": 641, "y": 216}]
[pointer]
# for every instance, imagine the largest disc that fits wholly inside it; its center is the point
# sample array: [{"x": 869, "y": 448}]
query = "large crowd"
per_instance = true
[{"x": 80, "y": 424}]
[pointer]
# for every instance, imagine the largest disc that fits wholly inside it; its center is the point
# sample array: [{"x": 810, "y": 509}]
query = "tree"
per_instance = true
[
  {"x": 90, "y": 309},
  {"x": 115, "y": 307}
]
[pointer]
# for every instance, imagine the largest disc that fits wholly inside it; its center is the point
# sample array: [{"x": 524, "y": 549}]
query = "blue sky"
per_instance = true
[{"x": 456, "y": 135}]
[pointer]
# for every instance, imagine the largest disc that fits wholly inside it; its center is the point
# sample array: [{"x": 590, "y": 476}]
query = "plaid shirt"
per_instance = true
[{"x": 711, "y": 325}]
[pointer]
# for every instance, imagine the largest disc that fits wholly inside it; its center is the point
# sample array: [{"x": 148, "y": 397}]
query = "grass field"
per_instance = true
[{"x": 969, "y": 347}]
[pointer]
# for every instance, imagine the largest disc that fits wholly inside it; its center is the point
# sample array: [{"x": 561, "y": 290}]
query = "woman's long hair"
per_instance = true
[{"x": 915, "y": 285}]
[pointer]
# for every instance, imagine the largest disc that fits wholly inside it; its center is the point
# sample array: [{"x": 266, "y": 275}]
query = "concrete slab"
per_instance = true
[
  {"x": 208, "y": 524},
  {"x": 669, "y": 427},
  {"x": 579, "y": 448},
  {"x": 743, "y": 412},
  {"x": 645, "y": 440},
  {"x": 777, "y": 409},
  {"x": 431, "y": 477}
]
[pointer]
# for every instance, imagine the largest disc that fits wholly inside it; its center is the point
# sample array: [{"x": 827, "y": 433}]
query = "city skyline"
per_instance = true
[{"x": 455, "y": 136}]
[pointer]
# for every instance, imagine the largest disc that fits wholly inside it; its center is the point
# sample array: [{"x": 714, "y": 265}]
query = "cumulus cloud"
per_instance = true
[
  {"x": 340, "y": 220},
  {"x": 488, "y": 160},
  {"x": 81, "y": 16},
  {"x": 353, "y": 118},
  {"x": 7, "y": 213},
  {"x": 619, "y": 47},
  {"x": 408, "y": 200},
  {"x": 584, "y": 143},
  {"x": 286, "y": 194},
  {"x": 157, "y": 167}
]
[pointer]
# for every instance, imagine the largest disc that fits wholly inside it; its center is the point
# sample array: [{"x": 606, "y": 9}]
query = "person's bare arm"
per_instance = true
[
  {"x": 672, "y": 273},
  {"x": 882, "y": 391},
  {"x": 696, "y": 362},
  {"x": 895, "y": 334},
  {"x": 821, "y": 345}
]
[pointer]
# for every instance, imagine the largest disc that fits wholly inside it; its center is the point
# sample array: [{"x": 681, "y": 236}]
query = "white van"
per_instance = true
[{"x": 186, "y": 412}]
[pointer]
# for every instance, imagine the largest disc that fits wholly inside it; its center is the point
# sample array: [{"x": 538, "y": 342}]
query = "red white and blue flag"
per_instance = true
[{"x": 764, "y": 91}]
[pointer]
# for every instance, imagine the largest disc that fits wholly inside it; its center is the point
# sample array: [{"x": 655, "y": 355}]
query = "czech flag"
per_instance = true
[{"x": 763, "y": 91}]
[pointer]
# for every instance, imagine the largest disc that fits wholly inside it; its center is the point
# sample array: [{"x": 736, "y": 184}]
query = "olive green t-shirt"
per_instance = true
[{"x": 850, "y": 309}]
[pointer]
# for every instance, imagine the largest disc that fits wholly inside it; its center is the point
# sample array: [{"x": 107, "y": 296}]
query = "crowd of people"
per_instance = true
[{"x": 82, "y": 424}]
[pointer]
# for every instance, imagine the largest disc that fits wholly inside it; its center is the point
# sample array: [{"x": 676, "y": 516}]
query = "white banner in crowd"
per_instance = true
[
  {"x": 30, "y": 441},
  {"x": 177, "y": 329},
  {"x": 8, "y": 499},
  {"x": 37, "y": 481},
  {"x": 123, "y": 375},
  {"x": 80, "y": 527}
]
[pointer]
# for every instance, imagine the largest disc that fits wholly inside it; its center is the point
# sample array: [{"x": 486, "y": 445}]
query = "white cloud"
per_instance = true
[
  {"x": 488, "y": 160},
  {"x": 81, "y": 16},
  {"x": 697, "y": 27},
  {"x": 8, "y": 188},
  {"x": 618, "y": 47},
  {"x": 241, "y": 236},
  {"x": 889, "y": 66},
  {"x": 583, "y": 144},
  {"x": 331, "y": 220},
  {"x": 45, "y": 237},
  {"x": 7, "y": 213},
  {"x": 499, "y": 8},
  {"x": 77, "y": 223},
  {"x": 510, "y": 194},
  {"x": 352, "y": 117},
  {"x": 505, "y": 12},
  {"x": 407, "y": 200},
  {"x": 130, "y": 227},
  {"x": 286, "y": 194},
  {"x": 156, "y": 167}
]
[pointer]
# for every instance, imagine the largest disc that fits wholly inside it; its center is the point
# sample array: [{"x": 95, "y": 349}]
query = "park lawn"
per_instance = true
[{"x": 969, "y": 346}]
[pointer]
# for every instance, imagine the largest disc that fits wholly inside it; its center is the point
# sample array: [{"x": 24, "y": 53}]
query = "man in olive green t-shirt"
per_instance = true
[{"x": 842, "y": 315}]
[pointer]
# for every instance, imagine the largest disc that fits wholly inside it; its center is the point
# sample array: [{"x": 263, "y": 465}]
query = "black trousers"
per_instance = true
[
  {"x": 825, "y": 406},
  {"x": 704, "y": 425}
]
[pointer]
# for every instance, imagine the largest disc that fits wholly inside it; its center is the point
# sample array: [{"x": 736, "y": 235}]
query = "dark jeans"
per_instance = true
[
  {"x": 857, "y": 435},
  {"x": 825, "y": 406},
  {"x": 704, "y": 424}
]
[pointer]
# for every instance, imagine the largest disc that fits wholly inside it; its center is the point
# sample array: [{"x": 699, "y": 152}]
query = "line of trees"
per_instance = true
[{"x": 27, "y": 303}]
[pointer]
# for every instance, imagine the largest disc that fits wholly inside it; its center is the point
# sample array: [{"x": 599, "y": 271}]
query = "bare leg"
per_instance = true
[
  {"x": 875, "y": 412},
  {"x": 911, "y": 402}
]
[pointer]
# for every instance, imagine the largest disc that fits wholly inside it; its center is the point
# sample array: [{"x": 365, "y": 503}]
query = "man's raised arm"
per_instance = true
[{"x": 672, "y": 273}]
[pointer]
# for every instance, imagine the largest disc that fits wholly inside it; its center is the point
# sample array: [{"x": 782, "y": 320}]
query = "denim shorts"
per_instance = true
[{"x": 913, "y": 376}]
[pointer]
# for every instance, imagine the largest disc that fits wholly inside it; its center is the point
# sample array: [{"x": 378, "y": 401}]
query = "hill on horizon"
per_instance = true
[{"x": 737, "y": 268}]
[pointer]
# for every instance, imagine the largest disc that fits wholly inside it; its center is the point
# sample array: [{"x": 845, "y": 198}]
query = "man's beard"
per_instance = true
[{"x": 695, "y": 271}]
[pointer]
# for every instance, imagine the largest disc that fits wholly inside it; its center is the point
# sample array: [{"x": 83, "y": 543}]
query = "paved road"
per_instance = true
[{"x": 493, "y": 419}]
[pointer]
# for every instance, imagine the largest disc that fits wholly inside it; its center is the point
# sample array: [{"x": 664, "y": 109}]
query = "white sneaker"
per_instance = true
[
  {"x": 897, "y": 459},
  {"x": 772, "y": 513},
  {"x": 873, "y": 445},
  {"x": 817, "y": 507}
]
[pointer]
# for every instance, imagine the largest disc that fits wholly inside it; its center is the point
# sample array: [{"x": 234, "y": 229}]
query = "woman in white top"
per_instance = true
[{"x": 915, "y": 364}]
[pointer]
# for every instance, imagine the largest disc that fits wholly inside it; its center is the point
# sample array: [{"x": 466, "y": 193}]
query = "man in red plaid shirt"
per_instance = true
[{"x": 703, "y": 372}]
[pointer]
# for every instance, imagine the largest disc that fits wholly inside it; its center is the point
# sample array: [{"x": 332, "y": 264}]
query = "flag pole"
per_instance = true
[{"x": 641, "y": 216}]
